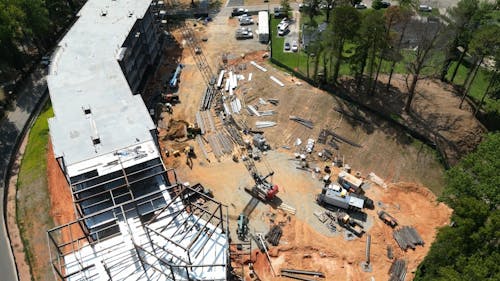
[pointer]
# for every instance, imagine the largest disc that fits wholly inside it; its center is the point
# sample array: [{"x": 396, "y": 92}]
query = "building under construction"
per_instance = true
[{"x": 135, "y": 220}]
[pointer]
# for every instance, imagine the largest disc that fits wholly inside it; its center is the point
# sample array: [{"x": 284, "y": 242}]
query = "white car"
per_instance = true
[
  {"x": 295, "y": 47},
  {"x": 425, "y": 8},
  {"x": 360, "y": 6}
]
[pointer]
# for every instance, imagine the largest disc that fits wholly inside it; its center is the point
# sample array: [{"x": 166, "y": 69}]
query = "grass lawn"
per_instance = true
[
  {"x": 478, "y": 86},
  {"x": 33, "y": 203}
]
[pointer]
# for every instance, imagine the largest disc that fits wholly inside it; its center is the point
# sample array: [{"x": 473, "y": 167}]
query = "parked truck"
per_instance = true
[
  {"x": 350, "y": 182},
  {"x": 337, "y": 197},
  {"x": 263, "y": 27}
]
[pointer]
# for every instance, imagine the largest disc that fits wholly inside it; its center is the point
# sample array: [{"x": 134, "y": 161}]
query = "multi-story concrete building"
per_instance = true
[{"x": 135, "y": 221}]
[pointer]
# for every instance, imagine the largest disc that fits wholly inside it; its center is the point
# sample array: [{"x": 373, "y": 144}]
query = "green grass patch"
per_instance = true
[
  {"x": 33, "y": 201},
  {"x": 478, "y": 87}
]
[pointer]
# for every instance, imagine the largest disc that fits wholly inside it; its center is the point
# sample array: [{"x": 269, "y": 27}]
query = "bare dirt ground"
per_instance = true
[
  {"x": 303, "y": 248},
  {"x": 308, "y": 244},
  {"x": 434, "y": 114}
]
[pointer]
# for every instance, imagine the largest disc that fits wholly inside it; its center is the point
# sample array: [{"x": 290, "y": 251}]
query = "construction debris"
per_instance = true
[
  {"x": 407, "y": 237},
  {"x": 277, "y": 81},
  {"x": 258, "y": 66},
  {"x": 274, "y": 235},
  {"x": 273, "y": 101},
  {"x": 374, "y": 178},
  {"x": 397, "y": 271},
  {"x": 253, "y": 111},
  {"x": 305, "y": 122},
  {"x": 264, "y": 124}
]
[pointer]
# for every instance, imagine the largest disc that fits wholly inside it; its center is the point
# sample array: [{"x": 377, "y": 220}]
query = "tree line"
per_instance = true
[
  {"x": 29, "y": 28},
  {"x": 366, "y": 40},
  {"x": 468, "y": 248}
]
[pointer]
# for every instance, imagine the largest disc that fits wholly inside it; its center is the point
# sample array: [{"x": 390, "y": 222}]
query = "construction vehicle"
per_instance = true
[
  {"x": 242, "y": 229},
  {"x": 350, "y": 224},
  {"x": 335, "y": 196},
  {"x": 170, "y": 98},
  {"x": 263, "y": 189},
  {"x": 193, "y": 131},
  {"x": 387, "y": 219},
  {"x": 189, "y": 151}
]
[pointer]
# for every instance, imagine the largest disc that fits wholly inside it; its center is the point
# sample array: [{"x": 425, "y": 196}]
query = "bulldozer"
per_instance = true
[{"x": 387, "y": 219}]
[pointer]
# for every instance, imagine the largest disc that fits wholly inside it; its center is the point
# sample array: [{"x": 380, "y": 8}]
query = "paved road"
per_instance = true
[{"x": 11, "y": 129}]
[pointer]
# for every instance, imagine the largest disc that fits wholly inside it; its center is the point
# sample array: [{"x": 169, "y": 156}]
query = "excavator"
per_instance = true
[{"x": 263, "y": 189}]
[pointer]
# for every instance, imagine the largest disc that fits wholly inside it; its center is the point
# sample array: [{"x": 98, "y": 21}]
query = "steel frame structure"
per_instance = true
[{"x": 70, "y": 238}]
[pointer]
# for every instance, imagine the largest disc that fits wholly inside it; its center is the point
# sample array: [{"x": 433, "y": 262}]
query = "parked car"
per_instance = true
[
  {"x": 425, "y": 8},
  {"x": 295, "y": 46},
  {"x": 239, "y": 12},
  {"x": 287, "y": 46},
  {"x": 360, "y": 6},
  {"x": 385, "y": 4}
]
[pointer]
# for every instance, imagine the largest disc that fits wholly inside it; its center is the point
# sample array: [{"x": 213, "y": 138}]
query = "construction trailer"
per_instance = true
[
  {"x": 350, "y": 182},
  {"x": 134, "y": 218},
  {"x": 263, "y": 27}
]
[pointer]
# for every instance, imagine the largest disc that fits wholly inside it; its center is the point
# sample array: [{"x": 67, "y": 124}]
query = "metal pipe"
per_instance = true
[
  {"x": 295, "y": 277},
  {"x": 304, "y": 272},
  {"x": 367, "y": 250}
]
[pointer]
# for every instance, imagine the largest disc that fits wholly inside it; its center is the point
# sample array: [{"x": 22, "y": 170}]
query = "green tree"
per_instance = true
[
  {"x": 462, "y": 24},
  {"x": 311, "y": 7},
  {"x": 427, "y": 40},
  {"x": 285, "y": 6},
  {"x": 469, "y": 248},
  {"x": 345, "y": 24},
  {"x": 404, "y": 18},
  {"x": 485, "y": 42}
]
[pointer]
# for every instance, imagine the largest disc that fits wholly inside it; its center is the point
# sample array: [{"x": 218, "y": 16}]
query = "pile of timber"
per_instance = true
[
  {"x": 296, "y": 274},
  {"x": 397, "y": 272},
  {"x": 274, "y": 235},
  {"x": 305, "y": 122},
  {"x": 407, "y": 237},
  {"x": 208, "y": 96}
]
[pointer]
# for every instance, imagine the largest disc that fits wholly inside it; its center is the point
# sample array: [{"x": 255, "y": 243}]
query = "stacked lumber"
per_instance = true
[
  {"x": 407, "y": 237},
  {"x": 287, "y": 208},
  {"x": 274, "y": 235},
  {"x": 397, "y": 272}
]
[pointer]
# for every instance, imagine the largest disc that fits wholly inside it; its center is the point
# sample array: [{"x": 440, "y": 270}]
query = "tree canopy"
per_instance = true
[{"x": 468, "y": 249}]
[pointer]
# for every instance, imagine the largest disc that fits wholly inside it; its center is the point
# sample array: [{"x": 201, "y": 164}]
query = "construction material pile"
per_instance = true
[
  {"x": 305, "y": 122},
  {"x": 296, "y": 274},
  {"x": 397, "y": 272},
  {"x": 327, "y": 218},
  {"x": 407, "y": 237},
  {"x": 274, "y": 235}
]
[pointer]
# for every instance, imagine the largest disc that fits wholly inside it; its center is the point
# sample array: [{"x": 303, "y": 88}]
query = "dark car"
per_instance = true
[{"x": 287, "y": 46}]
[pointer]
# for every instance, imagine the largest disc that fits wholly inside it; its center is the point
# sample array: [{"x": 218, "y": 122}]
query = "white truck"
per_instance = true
[{"x": 263, "y": 27}]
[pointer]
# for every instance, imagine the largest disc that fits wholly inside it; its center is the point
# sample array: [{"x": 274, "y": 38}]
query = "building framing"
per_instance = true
[{"x": 136, "y": 220}]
